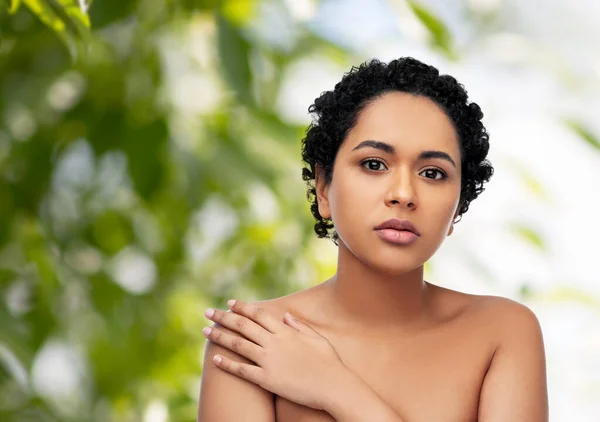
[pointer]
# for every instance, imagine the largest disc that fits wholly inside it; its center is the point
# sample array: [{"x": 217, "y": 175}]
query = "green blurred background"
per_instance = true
[{"x": 150, "y": 168}]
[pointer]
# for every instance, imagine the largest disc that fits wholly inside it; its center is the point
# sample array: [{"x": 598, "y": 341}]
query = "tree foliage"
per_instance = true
[
  {"x": 126, "y": 202},
  {"x": 146, "y": 173}
]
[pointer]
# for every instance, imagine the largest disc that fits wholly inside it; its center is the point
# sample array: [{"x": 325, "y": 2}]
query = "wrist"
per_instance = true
[
  {"x": 339, "y": 389},
  {"x": 345, "y": 395},
  {"x": 352, "y": 400}
]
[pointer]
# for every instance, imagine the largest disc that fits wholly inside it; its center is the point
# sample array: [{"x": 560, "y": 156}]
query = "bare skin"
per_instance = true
[
  {"x": 431, "y": 354},
  {"x": 435, "y": 371}
]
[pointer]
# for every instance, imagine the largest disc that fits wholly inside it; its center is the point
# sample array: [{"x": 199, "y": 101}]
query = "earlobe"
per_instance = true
[
  {"x": 454, "y": 219},
  {"x": 322, "y": 190},
  {"x": 451, "y": 229}
]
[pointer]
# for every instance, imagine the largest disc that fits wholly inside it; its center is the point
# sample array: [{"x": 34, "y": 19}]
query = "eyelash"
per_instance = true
[{"x": 444, "y": 175}]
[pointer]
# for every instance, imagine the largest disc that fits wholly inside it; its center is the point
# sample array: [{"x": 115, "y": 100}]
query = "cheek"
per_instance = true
[
  {"x": 440, "y": 208},
  {"x": 354, "y": 196},
  {"x": 350, "y": 199}
]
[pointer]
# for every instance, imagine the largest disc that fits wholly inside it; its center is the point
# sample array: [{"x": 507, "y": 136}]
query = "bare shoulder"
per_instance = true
[
  {"x": 517, "y": 371},
  {"x": 497, "y": 321},
  {"x": 504, "y": 316},
  {"x": 224, "y": 396},
  {"x": 303, "y": 304},
  {"x": 495, "y": 312}
]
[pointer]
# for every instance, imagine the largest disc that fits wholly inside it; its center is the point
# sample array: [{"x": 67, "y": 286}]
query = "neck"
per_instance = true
[{"x": 366, "y": 299}]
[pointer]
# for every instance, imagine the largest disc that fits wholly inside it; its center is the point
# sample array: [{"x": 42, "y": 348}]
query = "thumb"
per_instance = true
[{"x": 301, "y": 326}]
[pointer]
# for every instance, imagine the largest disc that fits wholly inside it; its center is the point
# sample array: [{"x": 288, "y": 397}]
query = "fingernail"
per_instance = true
[
  {"x": 206, "y": 330},
  {"x": 217, "y": 359},
  {"x": 290, "y": 316},
  {"x": 231, "y": 302},
  {"x": 209, "y": 312}
]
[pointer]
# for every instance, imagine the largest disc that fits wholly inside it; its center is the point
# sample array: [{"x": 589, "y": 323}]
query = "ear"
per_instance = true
[
  {"x": 451, "y": 230},
  {"x": 322, "y": 189}
]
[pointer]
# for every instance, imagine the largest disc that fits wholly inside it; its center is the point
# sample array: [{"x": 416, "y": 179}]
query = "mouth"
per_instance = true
[
  {"x": 398, "y": 225},
  {"x": 399, "y": 232},
  {"x": 397, "y": 237}
]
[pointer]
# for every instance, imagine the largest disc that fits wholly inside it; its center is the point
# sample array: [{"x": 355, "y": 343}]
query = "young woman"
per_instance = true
[{"x": 393, "y": 159}]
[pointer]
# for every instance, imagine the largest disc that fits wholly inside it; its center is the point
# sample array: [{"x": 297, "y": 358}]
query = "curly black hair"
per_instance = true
[{"x": 335, "y": 113}]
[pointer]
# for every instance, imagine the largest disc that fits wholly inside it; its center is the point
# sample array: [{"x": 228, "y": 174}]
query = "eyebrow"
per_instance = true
[{"x": 390, "y": 149}]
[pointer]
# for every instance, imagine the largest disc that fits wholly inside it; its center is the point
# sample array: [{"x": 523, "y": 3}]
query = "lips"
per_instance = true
[
  {"x": 400, "y": 225},
  {"x": 397, "y": 232}
]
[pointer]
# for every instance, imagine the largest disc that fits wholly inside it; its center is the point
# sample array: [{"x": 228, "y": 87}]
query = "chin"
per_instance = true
[{"x": 391, "y": 262}]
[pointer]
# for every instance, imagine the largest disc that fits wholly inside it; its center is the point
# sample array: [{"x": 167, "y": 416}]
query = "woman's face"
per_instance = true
[{"x": 401, "y": 160}]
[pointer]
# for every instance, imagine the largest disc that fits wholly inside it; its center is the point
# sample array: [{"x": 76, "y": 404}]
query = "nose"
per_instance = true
[{"x": 401, "y": 190}]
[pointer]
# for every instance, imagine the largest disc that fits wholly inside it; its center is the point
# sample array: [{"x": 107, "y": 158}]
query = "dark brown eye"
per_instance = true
[
  {"x": 435, "y": 174},
  {"x": 374, "y": 165}
]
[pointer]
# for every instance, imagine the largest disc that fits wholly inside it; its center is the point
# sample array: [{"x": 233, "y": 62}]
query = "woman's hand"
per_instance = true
[{"x": 292, "y": 360}]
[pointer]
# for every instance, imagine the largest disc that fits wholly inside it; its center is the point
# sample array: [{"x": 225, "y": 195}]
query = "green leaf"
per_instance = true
[
  {"x": 111, "y": 232},
  {"x": 584, "y": 133},
  {"x": 572, "y": 294},
  {"x": 47, "y": 15},
  {"x": 530, "y": 181},
  {"x": 234, "y": 53},
  {"x": 106, "y": 12},
  {"x": 74, "y": 11},
  {"x": 14, "y": 6},
  {"x": 530, "y": 235},
  {"x": 441, "y": 38},
  {"x": 526, "y": 292},
  {"x": 239, "y": 12},
  {"x": 66, "y": 19},
  {"x": 149, "y": 142}
]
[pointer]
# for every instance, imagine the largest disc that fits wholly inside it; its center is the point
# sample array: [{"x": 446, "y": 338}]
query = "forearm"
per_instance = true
[{"x": 355, "y": 401}]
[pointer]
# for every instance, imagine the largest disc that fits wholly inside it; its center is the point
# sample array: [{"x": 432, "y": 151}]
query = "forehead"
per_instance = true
[{"x": 411, "y": 123}]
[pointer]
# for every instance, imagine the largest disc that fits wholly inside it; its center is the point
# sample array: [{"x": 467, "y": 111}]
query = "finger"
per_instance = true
[
  {"x": 292, "y": 322},
  {"x": 240, "y": 324},
  {"x": 235, "y": 343},
  {"x": 256, "y": 314},
  {"x": 245, "y": 371},
  {"x": 299, "y": 325}
]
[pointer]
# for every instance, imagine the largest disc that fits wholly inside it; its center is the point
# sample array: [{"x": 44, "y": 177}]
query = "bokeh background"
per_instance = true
[{"x": 150, "y": 168}]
